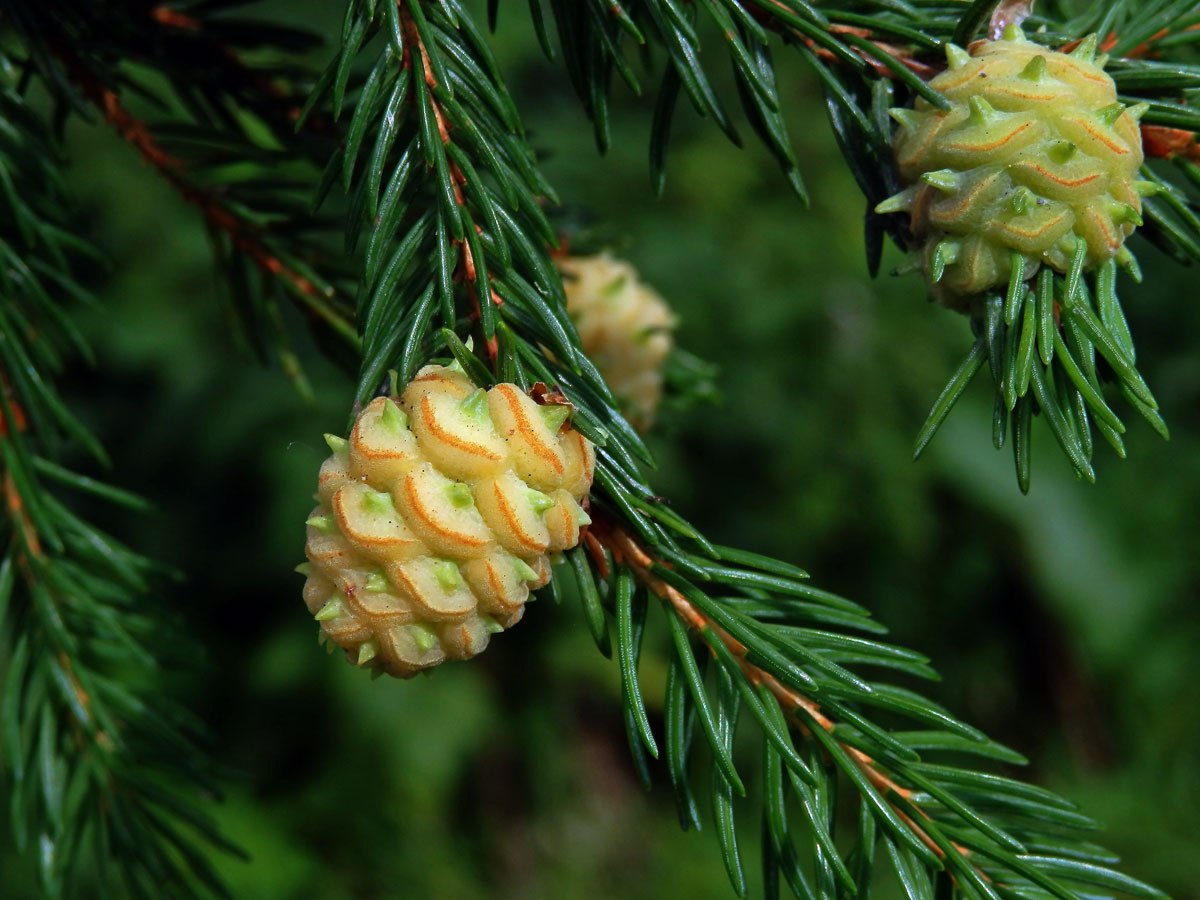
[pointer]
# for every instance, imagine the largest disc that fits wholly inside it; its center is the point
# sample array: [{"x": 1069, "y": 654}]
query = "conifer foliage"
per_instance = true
[{"x": 410, "y": 145}]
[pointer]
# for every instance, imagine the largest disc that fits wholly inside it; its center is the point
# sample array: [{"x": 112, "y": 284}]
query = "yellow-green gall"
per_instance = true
[
  {"x": 1034, "y": 158},
  {"x": 437, "y": 517},
  {"x": 624, "y": 327}
]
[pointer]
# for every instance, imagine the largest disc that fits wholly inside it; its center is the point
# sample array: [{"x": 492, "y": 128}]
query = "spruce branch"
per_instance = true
[
  {"x": 872, "y": 56},
  {"x": 457, "y": 264},
  {"x": 219, "y": 112},
  {"x": 105, "y": 774},
  {"x": 976, "y": 828}
]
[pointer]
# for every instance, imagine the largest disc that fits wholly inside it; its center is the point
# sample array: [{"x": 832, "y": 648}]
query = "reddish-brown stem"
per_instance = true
[
  {"x": 243, "y": 235},
  {"x": 172, "y": 19},
  {"x": 627, "y": 551},
  {"x": 1158, "y": 140}
]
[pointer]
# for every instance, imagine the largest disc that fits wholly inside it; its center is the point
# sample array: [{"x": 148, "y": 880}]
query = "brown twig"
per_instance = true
[
  {"x": 626, "y": 550},
  {"x": 1157, "y": 140},
  {"x": 924, "y": 70},
  {"x": 231, "y": 62},
  {"x": 246, "y": 237},
  {"x": 30, "y": 557},
  {"x": 1167, "y": 143}
]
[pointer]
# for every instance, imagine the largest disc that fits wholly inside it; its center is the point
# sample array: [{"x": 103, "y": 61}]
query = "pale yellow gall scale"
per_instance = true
[
  {"x": 437, "y": 517},
  {"x": 1035, "y": 160},
  {"x": 624, "y": 327}
]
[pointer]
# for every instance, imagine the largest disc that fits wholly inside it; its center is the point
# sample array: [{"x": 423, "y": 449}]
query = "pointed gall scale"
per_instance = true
[
  {"x": 1061, "y": 151},
  {"x": 1138, "y": 110},
  {"x": 333, "y": 608},
  {"x": 1086, "y": 51},
  {"x": 945, "y": 180},
  {"x": 555, "y": 416},
  {"x": 366, "y": 652},
  {"x": 323, "y": 524},
  {"x": 901, "y": 202},
  {"x": 1146, "y": 188},
  {"x": 378, "y": 503},
  {"x": 336, "y": 444},
  {"x": 982, "y": 112},
  {"x": 908, "y": 119},
  {"x": 956, "y": 56},
  {"x": 393, "y": 417},
  {"x": 1109, "y": 114},
  {"x": 1036, "y": 69}
]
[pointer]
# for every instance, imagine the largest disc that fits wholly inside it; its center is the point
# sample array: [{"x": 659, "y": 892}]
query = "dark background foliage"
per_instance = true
[{"x": 1063, "y": 623}]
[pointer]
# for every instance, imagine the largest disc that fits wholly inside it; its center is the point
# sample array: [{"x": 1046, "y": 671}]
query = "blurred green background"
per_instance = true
[{"x": 1064, "y": 623}]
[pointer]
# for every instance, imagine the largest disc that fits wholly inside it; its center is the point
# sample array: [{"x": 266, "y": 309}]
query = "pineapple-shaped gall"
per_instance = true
[
  {"x": 437, "y": 517},
  {"x": 1035, "y": 158},
  {"x": 625, "y": 328}
]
